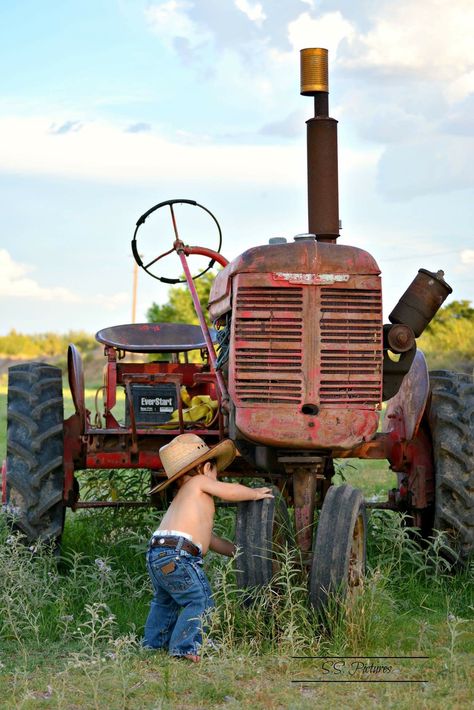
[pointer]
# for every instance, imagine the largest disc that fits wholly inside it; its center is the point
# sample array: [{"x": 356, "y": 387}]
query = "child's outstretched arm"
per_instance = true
[{"x": 233, "y": 492}]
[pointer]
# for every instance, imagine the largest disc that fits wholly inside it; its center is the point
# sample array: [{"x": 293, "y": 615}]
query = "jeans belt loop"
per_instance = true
[{"x": 180, "y": 544}]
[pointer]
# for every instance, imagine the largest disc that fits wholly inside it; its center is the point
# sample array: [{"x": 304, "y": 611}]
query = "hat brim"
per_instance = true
[{"x": 224, "y": 453}]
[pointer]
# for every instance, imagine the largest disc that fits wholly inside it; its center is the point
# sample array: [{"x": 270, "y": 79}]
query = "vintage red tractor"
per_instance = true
[{"x": 302, "y": 365}]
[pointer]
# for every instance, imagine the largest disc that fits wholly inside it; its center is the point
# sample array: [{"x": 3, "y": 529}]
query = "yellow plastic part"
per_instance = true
[{"x": 200, "y": 409}]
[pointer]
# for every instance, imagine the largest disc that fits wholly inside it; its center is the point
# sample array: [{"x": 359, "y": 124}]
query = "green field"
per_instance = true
[{"x": 69, "y": 635}]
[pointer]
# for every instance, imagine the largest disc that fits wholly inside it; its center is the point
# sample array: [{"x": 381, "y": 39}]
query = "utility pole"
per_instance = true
[{"x": 134, "y": 292}]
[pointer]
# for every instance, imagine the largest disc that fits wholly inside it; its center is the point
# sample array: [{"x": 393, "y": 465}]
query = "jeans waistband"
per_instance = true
[{"x": 175, "y": 542}]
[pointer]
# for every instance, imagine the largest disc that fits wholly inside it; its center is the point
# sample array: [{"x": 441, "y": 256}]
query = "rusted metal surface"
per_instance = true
[
  {"x": 400, "y": 338},
  {"x": 413, "y": 461},
  {"x": 76, "y": 382},
  {"x": 405, "y": 410},
  {"x": 380, "y": 447},
  {"x": 421, "y": 300},
  {"x": 192, "y": 375},
  {"x": 311, "y": 279},
  {"x": 304, "y": 499},
  {"x": 302, "y": 257},
  {"x": 154, "y": 337},
  {"x": 305, "y": 358},
  {"x": 74, "y": 454},
  {"x": 323, "y": 191},
  {"x": 420, "y": 471},
  {"x": 321, "y": 141},
  {"x": 382, "y": 505}
]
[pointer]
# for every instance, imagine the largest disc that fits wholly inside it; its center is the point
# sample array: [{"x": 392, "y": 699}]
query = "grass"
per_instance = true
[{"x": 70, "y": 634}]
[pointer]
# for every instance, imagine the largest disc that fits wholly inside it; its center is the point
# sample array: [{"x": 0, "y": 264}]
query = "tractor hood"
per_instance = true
[{"x": 304, "y": 261}]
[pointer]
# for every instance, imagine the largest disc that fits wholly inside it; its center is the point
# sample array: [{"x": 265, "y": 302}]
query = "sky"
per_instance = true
[{"x": 108, "y": 107}]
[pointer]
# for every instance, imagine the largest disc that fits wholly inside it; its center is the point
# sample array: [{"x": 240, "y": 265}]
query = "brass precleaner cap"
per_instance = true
[{"x": 314, "y": 71}]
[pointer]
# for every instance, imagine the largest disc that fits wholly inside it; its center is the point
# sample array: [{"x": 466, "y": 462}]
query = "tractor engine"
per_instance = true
[{"x": 305, "y": 337}]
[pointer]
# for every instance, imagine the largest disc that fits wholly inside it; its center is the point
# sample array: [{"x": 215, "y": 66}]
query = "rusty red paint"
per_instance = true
[
  {"x": 304, "y": 497},
  {"x": 405, "y": 410},
  {"x": 278, "y": 327},
  {"x": 311, "y": 279},
  {"x": 418, "y": 465},
  {"x": 306, "y": 346},
  {"x": 204, "y": 251},
  {"x": 282, "y": 426},
  {"x": 74, "y": 452},
  {"x": 304, "y": 257},
  {"x": 76, "y": 381},
  {"x": 110, "y": 386}
]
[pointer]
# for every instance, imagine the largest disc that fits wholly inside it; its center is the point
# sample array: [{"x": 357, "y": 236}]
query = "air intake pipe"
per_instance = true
[
  {"x": 421, "y": 301},
  {"x": 415, "y": 309},
  {"x": 323, "y": 191}
]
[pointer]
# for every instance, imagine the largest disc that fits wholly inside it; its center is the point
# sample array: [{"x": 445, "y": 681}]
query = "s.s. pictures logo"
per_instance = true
[
  {"x": 352, "y": 668},
  {"x": 359, "y": 669}
]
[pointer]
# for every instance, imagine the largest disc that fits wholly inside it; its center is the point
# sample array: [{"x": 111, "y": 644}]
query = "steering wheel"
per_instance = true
[{"x": 178, "y": 243}]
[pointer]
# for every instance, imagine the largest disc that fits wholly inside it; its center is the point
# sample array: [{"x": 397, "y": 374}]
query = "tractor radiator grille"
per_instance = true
[
  {"x": 351, "y": 346},
  {"x": 268, "y": 332}
]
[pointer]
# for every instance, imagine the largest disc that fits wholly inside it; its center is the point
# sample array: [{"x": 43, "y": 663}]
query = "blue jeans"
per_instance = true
[{"x": 181, "y": 597}]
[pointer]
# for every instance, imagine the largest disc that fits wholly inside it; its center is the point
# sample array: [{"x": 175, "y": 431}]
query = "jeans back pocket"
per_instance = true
[{"x": 172, "y": 574}]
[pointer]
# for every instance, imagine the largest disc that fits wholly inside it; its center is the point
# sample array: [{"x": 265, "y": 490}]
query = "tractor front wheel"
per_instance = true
[
  {"x": 35, "y": 475},
  {"x": 262, "y": 529},
  {"x": 451, "y": 421},
  {"x": 339, "y": 552}
]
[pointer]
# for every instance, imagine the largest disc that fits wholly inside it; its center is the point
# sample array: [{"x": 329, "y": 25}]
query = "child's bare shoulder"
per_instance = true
[
  {"x": 202, "y": 484},
  {"x": 196, "y": 484}
]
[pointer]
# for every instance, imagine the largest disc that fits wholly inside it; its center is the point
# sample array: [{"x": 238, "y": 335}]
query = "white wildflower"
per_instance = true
[{"x": 103, "y": 567}]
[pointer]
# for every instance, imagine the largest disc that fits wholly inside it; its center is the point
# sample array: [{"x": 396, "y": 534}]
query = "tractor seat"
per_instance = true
[{"x": 154, "y": 337}]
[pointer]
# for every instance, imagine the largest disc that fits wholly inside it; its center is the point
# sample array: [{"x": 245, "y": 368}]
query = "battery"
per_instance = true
[{"x": 152, "y": 404}]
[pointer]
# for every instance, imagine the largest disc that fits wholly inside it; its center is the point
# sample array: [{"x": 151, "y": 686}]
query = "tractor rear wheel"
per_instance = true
[
  {"x": 339, "y": 552},
  {"x": 451, "y": 421},
  {"x": 262, "y": 529},
  {"x": 35, "y": 475}
]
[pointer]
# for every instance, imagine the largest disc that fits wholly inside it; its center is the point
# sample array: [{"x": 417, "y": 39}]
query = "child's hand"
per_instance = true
[{"x": 262, "y": 493}]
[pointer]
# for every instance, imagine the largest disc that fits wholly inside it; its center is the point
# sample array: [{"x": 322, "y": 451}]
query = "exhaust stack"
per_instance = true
[{"x": 323, "y": 191}]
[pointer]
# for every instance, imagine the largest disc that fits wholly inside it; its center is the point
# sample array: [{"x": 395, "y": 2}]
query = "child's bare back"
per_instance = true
[{"x": 192, "y": 510}]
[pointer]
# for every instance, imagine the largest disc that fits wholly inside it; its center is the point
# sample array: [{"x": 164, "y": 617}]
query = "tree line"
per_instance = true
[{"x": 448, "y": 342}]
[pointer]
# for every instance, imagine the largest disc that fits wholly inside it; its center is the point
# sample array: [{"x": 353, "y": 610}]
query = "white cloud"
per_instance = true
[
  {"x": 16, "y": 284},
  {"x": 104, "y": 151},
  {"x": 430, "y": 40},
  {"x": 110, "y": 302},
  {"x": 254, "y": 12},
  {"x": 467, "y": 257},
  {"x": 327, "y": 31},
  {"x": 171, "y": 19}
]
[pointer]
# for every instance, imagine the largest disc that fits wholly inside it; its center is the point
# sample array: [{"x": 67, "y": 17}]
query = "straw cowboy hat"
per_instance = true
[{"x": 187, "y": 451}]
